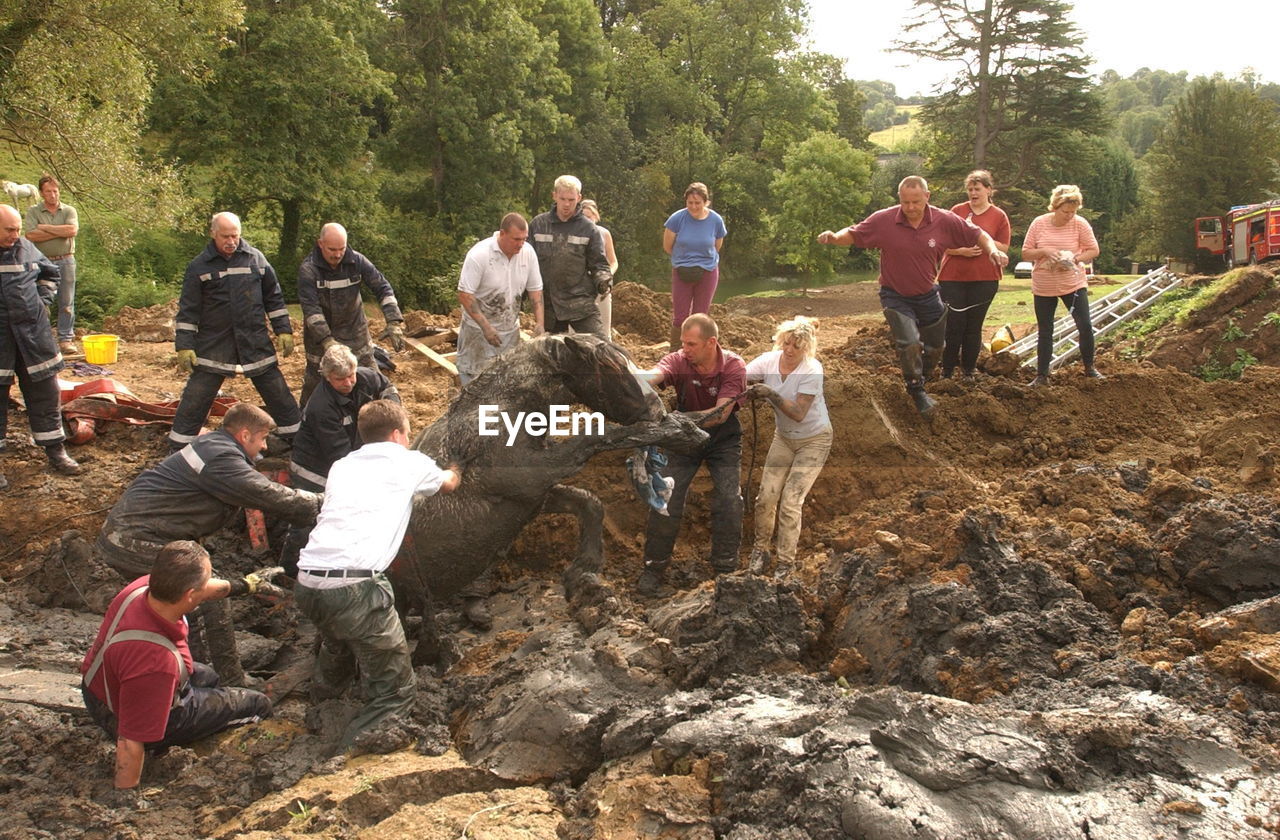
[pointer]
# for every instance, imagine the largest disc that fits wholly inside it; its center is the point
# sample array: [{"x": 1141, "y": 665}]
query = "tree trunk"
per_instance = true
[
  {"x": 286, "y": 261},
  {"x": 983, "y": 117}
]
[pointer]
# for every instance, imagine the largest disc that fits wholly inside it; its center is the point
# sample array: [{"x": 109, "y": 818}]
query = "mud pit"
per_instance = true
[{"x": 1052, "y": 615}]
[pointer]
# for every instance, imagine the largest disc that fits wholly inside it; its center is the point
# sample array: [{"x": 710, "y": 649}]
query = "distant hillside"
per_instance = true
[{"x": 896, "y": 135}]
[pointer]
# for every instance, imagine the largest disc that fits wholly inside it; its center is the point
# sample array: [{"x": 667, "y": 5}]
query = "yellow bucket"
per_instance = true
[{"x": 100, "y": 349}]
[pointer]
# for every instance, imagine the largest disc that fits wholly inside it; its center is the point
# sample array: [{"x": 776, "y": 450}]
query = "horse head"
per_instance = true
[{"x": 601, "y": 376}]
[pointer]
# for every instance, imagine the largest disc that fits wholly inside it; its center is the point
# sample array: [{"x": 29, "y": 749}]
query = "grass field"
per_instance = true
[
  {"x": 896, "y": 135},
  {"x": 1013, "y": 302}
]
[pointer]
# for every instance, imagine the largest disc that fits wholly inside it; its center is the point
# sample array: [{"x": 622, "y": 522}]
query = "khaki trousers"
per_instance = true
[{"x": 790, "y": 469}]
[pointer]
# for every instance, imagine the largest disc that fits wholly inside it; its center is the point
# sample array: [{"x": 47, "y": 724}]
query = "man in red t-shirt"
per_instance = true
[
  {"x": 705, "y": 376},
  {"x": 139, "y": 681},
  {"x": 912, "y": 238}
]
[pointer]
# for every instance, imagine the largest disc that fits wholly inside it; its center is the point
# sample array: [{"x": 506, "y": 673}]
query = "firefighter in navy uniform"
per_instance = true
[
  {"x": 192, "y": 494},
  {"x": 329, "y": 281},
  {"x": 329, "y": 430},
  {"x": 28, "y": 283},
  {"x": 228, "y": 294}
]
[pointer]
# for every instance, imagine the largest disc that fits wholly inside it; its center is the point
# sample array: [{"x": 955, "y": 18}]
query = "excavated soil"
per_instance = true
[{"x": 1051, "y": 613}]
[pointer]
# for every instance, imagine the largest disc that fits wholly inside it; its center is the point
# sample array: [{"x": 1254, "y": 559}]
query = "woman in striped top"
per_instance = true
[{"x": 1060, "y": 243}]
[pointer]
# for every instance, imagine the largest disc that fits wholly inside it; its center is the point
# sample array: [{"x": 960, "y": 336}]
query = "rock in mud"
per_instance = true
[
  {"x": 1226, "y": 548},
  {"x": 1002, "y": 622}
]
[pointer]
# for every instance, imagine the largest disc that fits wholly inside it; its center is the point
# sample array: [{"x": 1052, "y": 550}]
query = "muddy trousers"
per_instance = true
[
  {"x": 297, "y": 536},
  {"x": 967, "y": 305},
  {"x": 592, "y": 323},
  {"x": 359, "y": 628},
  {"x": 202, "y": 387},
  {"x": 1077, "y": 304},
  {"x": 790, "y": 469},
  {"x": 203, "y": 708},
  {"x": 44, "y": 412},
  {"x": 723, "y": 456}
]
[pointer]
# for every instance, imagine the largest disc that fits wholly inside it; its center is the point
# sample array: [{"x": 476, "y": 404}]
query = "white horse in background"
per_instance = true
[{"x": 17, "y": 191}]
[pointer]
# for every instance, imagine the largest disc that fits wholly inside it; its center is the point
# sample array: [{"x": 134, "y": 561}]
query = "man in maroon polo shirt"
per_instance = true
[
  {"x": 704, "y": 376},
  {"x": 912, "y": 238},
  {"x": 140, "y": 683}
]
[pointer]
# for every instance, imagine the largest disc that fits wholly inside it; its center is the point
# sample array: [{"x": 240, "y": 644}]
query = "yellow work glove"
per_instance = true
[
  {"x": 187, "y": 360},
  {"x": 286, "y": 344}
]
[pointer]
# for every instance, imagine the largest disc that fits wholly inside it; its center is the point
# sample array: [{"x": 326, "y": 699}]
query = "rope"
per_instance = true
[
  {"x": 755, "y": 440},
  {"x": 467, "y": 827},
  {"x": 52, "y": 527}
]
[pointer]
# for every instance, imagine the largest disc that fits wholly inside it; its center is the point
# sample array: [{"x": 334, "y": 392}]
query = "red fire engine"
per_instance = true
[{"x": 1248, "y": 234}]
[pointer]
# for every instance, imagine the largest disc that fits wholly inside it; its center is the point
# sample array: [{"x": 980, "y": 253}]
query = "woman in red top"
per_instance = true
[{"x": 968, "y": 280}]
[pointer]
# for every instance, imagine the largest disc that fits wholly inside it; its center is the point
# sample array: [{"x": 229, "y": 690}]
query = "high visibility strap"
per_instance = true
[{"x": 134, "y": 636}]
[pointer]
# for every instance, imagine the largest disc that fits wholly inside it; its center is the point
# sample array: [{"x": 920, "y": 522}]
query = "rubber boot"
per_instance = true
[
  {"x": 933, "y": 337},
  {"x": 675, "y": 338},
  {"x": 906, "y": 337},
  {"x": 60, "y": 461},
  {"x": 652, "y": 581}
]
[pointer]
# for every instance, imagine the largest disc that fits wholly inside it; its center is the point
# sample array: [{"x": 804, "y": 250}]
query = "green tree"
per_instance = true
[
  {"x": 822, "y": 178},
  {"x": 75, "y": 78},
  {"x": 1220, "y": 148},
  {"x": 1022, "y": 95},
  {"x": 280, "y": 127}
]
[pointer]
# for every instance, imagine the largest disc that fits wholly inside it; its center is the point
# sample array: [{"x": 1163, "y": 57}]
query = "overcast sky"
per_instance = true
[{"x": 1201, "y": 37}]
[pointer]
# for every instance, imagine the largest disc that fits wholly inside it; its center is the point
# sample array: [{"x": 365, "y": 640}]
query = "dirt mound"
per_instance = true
[
  {"x": 1237, "y": 328},
  {"x": 154, "y": 323},
  {"x": 1055, "y": 555}
]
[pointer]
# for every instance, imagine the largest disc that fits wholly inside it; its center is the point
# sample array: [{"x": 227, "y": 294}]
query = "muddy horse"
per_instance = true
[{"x": 509, "y": 479}]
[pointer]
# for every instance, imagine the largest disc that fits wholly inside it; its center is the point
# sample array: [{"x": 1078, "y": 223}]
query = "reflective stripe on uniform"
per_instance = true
[
  {"x": 303, "y": 472},
  {"x": 210, "y": 363},
  {"x": 276, "y": 313},
  {"x": 56, "y": 360},
  {"x": 55, "y": 435},
  {"x": 259, "y": 365},
  {"x": 189, "y": 327},
  {"x": 289, "y": 430},
  {"x": 14, "y": 268},
  {"x": 339, "y": 283},
  {"x": 236, "y": 269},
  {"x": 577, "y": 240},
  {"x": 315, "y": 319},
  {"x": 192, "y": 458}
]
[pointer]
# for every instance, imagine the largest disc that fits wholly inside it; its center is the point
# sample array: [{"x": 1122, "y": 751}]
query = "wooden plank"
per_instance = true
[
  {"x": 661, "y": 345},
  {"x": 436, "y": 339},
  {"x": 431, "y": 354}
]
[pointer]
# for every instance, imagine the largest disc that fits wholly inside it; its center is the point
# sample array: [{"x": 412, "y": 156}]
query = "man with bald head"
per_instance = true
[
  {"x": 229, "y": 293},
  {"x": 912, "y": 237},
  {"x": 28, "y": 283},
  {"x": 329, "y": 290}
]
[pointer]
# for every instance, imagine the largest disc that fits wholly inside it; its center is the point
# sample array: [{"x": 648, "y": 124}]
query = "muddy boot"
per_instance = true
[
  {"x": 760, "y": 561},
  {"x": 724, "y": 565},
  {"x": 924, "y": 403},
  {"x": 1041, "y": 381},
  {"x": 675, "y": 339},
  {"x": 1092, "y": 372},
  {"x": 4, "y": 482},
  {"x": 906, "y": 337},
  {"x": 60, "y": 461},
  {"x": 220, "y": 642},
  {"x": 652, "y": 581},
  {"x": 476, "y": 612},
  {"x": 932, "y": 337}
]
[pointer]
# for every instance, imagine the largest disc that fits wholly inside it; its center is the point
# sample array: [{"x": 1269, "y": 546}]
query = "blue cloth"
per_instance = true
[
  {"x": 645, "y": 470},
  {"x": 695, "y": 243}
]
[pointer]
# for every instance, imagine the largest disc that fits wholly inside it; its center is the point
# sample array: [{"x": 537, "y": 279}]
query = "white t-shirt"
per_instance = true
[
  {"x": 367, "y": 502},
  {"x": 498, "y": 281},
  {"x": 805, "y": 379}
]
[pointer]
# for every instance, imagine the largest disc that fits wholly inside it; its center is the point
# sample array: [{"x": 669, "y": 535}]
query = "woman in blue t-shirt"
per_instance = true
[{"x": 693, "y": 237}]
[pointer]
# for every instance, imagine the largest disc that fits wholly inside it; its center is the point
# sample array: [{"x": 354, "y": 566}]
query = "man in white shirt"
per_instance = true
[
  {"x": 342, "y": 587},
  {"x": 495, "y": 273}
]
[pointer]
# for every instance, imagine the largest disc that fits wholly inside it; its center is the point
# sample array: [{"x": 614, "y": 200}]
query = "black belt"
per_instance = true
[
  {"x": 63, "y": 257},
  {"x": 342, "y": 573}
]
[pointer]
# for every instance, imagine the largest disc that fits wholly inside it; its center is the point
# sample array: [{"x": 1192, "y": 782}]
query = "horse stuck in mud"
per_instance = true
[{"x": 510, "y": 478}]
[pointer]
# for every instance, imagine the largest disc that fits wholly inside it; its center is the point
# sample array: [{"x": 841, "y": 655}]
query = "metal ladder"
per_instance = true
[{"x": 1106, "y": 313}]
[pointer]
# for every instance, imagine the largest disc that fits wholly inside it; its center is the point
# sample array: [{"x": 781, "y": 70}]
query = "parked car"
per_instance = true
[{"x": 1022, "y": 270}]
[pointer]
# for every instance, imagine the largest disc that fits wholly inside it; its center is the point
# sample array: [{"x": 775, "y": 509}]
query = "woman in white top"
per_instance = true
[
  {"x": 790, "y": 378},
  {"x": 604, "y": 301}
]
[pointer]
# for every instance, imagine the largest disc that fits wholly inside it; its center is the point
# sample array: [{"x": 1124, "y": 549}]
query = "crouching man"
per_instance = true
[
  {"x": 341, "y": 586},
  {"x": 139, "y": 681}
]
